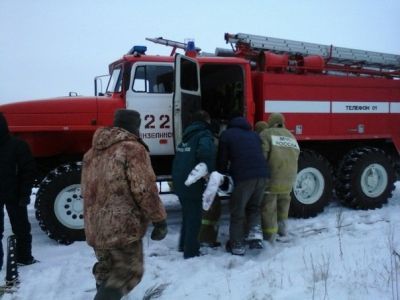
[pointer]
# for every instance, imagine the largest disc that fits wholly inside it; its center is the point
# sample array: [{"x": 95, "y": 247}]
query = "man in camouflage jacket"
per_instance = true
[{"x": 120, "y": 199}]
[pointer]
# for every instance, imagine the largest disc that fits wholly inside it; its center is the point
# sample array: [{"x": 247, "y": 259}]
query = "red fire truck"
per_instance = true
[{"x": 343, "y": 105}]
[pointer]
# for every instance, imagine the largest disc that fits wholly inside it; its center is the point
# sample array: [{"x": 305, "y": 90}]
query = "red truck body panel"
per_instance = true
[
  {"x": 331, "y": 107},
  {"x": 54, "y": 126}
]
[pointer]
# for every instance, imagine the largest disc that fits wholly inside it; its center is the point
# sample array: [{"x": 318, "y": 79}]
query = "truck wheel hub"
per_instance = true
[
  {"x": 309, "y": 186},
  {"x": 374, "y": 180},
  {"x": 68, "y": 207}
]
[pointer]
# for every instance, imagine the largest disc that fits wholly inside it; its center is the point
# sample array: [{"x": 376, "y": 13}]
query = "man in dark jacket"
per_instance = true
[
  {"x": 197, "y": 146},
  {"x": 240, "y": 154},
  {"x": 17, "y": 171}
]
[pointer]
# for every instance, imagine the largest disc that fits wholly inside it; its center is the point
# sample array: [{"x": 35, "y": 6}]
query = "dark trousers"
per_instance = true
[
  {"x": 209, "y": 223},
  {"x": 191, "y": 222},
  {"x": 245, "y": 207},
  {"x": 21, "y": 227}
]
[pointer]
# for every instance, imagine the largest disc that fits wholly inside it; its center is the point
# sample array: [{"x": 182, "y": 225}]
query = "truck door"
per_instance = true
[
  {"x": 187, "y": 97},
  {"x": 150, "y": 93}
]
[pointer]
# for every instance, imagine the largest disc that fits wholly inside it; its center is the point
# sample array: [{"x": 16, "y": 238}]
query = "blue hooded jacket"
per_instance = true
[{"x": 240, "y": 152}]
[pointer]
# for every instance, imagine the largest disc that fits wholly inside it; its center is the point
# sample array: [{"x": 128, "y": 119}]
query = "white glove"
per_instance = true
[
  {"x": 214, "y": 181},
  {"x": 198, "y": 172}
]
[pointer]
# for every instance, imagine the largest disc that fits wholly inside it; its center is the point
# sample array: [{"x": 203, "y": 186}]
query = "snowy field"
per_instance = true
[{"x": 340, "y": 254}]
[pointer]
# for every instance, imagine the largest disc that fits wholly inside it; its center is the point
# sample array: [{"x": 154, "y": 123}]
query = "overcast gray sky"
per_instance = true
[{"x": 51, "y": 47}]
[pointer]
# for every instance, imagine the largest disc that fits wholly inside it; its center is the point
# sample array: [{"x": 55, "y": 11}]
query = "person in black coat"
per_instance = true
[
  {"x": 240, "y": 154},
  {"x": 17, "y": 170}
]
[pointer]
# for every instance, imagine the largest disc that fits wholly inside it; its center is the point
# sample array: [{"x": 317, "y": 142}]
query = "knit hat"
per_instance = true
[
  {"x": 128, "y": 120},
  {"x": 260, "y": 126},
  {"x": 201, "y": 116},
  {"x": 4, "y": 132},
  {"x": 276, "y": 118}
]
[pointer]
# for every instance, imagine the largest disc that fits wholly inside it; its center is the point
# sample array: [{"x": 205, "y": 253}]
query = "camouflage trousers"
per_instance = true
[
  {"x": 120, "y": 269},
  {"x": 274, "y": 208}
]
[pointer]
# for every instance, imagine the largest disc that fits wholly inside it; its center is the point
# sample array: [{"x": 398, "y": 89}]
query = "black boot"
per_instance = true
[{"x": 108, "y": 293}]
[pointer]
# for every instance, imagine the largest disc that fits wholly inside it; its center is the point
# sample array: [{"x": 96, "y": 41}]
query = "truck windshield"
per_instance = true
[
  {"x": 156, "y": 79},
  {"x": 114, "y": 85}
]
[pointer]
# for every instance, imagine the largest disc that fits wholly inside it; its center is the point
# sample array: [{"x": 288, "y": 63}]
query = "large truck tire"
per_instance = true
[
  {"x": 312, "y": 190},
  {"x": 365, "y": 178},
  {"x": 59, "y": 204}
]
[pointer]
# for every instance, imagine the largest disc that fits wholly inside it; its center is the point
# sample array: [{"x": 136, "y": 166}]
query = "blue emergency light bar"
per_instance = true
[
  {"x": 138, "y": 50},
  {"x": 190, "y": 46}
]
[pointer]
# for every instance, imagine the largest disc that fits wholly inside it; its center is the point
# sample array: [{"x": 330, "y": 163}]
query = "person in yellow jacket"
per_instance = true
[{"x": 281, "y": 151}]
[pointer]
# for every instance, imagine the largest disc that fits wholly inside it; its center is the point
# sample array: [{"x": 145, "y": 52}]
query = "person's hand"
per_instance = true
[{"x": 160, "y": 230}]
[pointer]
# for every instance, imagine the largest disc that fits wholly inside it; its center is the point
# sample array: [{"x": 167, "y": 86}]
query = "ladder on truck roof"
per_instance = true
[
  {"x": 332, "y": 54},
  {"x": 174, "y": 44}
]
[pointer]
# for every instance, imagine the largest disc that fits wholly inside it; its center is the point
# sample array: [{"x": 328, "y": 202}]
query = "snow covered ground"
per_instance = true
[{"x": 340, "y": 254}]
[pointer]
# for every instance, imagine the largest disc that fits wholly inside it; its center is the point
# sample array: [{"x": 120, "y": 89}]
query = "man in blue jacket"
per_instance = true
[
  {"x": 240, "y": 155},
  {"x": 197, "y": 146}
]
